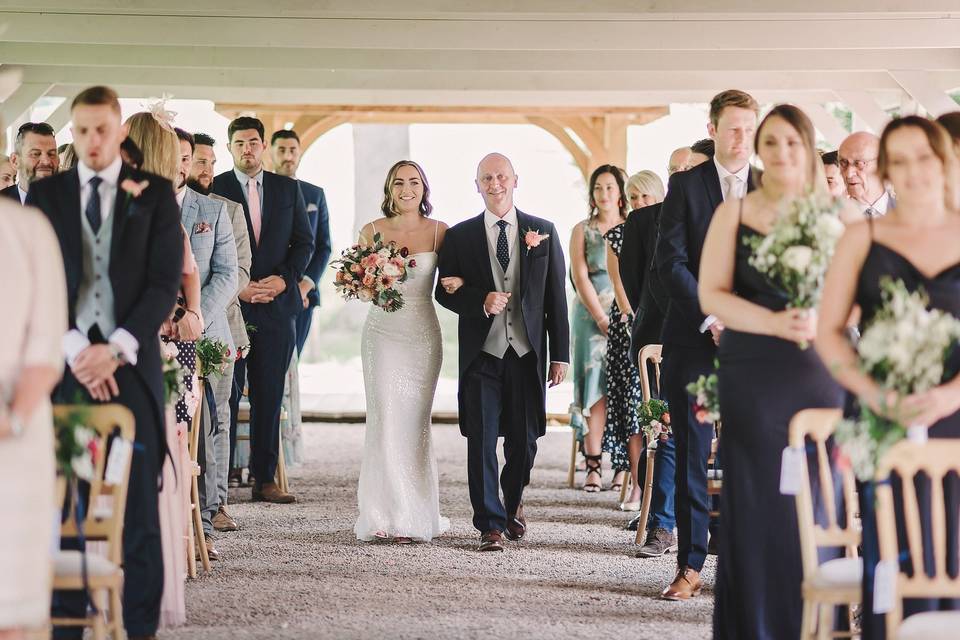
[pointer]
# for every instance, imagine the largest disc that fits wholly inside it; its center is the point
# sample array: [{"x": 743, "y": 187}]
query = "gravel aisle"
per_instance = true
[{"x": 298, "y": 572}]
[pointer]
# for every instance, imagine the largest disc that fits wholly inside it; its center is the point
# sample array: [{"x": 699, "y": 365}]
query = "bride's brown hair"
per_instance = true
[{"x": 389, "y": 205}]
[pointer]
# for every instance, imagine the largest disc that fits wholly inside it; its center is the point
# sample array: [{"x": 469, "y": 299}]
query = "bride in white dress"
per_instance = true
[{"x": 401, "y": 351}]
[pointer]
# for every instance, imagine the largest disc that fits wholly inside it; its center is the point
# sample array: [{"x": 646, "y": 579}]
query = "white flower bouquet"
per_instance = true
[
  {"x": 373, "y": 273},
  {"x": 77, "y": 446},
  {"x": 904, "y": 349},
  {"x": 706, "y": 404},
  {"x": 795, "y": 255}
]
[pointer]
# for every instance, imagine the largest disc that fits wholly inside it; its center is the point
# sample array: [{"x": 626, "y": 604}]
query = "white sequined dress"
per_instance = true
[{"x": 401, "y": 351}]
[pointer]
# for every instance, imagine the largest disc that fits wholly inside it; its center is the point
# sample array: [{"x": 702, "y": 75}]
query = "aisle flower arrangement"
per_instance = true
[
  {"x": 373, "y": 273},
  {"x": 214, "y": 356},
  {"x": 77, "y": 445},
  {"x": 706, "y": 404},
  {"x": 654, "y": 418}
]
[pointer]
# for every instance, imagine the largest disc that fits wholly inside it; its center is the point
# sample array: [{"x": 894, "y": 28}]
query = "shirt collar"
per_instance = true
[
  {"x": 22, "y": 193},
  {"x": 243, "y": 178},
  {"x": 742, "y": 174},
  {"x": 181, "y": 197},
  {"x": 881, "y": 205},
  {"x": 489, "y": 219},
  {"x": 110, "y": 175}
]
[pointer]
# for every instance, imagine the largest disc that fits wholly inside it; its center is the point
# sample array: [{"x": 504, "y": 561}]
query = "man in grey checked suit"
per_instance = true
[
  {"x": 201, "y": 179},
  {"x": 211, "y": 239}
]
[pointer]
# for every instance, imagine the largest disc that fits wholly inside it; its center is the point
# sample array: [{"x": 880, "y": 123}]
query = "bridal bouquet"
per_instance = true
[
  {"x": 654, "y": 418},
  {"x": 904, "y": 349},
  {"x": 795, "y": 254},
  {"x": 706, "y": 406},
  {"x": 372, "y": 274}
]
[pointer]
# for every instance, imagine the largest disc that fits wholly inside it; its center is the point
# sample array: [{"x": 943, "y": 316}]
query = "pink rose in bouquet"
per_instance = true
[{"x": 373, "y": 273}]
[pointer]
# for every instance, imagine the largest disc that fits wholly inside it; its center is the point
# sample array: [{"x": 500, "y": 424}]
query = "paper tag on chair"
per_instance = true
[
  {"x": 791, "y": 470},
  {"x": 120, "y": 452},
  {"x": 884, "y": 586}
]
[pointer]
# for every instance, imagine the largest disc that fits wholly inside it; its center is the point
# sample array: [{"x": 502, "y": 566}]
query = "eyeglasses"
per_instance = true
[
  {"x": 860, "y": 165},
  {"x": 41, "y": 128}
]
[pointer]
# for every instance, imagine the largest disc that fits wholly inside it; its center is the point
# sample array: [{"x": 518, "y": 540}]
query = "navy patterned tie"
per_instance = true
[
  {"x": 93, "y": 204},
  {"x": 503, "y": 249}
]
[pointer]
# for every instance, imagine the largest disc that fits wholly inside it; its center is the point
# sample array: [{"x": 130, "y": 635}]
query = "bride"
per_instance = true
[{"x": 401, "y": 353}]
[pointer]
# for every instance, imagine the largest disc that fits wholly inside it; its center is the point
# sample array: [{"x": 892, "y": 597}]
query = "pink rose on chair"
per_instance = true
[{"x": 533, "y": 239}]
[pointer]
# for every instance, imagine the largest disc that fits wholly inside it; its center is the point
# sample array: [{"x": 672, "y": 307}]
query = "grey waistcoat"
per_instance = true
[
  {"x": 95, "y": 296},
  {"x": 507, "y": 329}
]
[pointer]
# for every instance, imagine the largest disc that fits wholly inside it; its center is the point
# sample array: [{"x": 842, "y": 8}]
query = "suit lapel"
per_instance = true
[
  {"x": 234, "y": 191},
  {"x": 523, "y": 224},
  {"x": 190, "y": 211},
  {"x": 266, "y": 208},
  {"x": 483, "y": 251},
  {"x": 70, "y": 219},
  {"x": 122, "y": 208},
  {"x": 711, "y": 180}
]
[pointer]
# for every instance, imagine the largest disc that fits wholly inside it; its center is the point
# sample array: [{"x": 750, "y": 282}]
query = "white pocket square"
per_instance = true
[{"x": 311, "y": 207}]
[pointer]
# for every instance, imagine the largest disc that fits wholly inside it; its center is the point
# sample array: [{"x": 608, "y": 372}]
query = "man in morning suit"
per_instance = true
[
  {"x": 513, "y": 300},
  {"x": 281, "y": 246},
  {"x": 119, "y": 231},
  {"x": 690, "y": 339},
  {"x": 35, "y": 157},
  {"x": 647, "y": 295},
  {"x": 211, "y": 239}
]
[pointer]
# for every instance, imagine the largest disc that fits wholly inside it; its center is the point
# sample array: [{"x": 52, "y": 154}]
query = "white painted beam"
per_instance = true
[
  {"x": 866, "y": 108},
  {"x": 61, "y": 115},
  {"x": 927, "y": 90},
  {"x": 14, "y": 107},
  {"x": 864, "y": 32},
  {"x": 307, "y": 59},
  {"x": 828, "y": 126}
]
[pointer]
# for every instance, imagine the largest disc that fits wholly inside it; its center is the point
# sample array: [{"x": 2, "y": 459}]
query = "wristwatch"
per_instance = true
[
  {"x": 117, "y": 354},
  {"x": 16, "y": 425}
]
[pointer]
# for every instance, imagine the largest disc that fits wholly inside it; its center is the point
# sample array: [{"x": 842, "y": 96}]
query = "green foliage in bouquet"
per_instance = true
[
  {"x": 706, "y": 405},
  {"x": 77, "y": 445},
  {"x": 654, "y": 418},
  {"x": 214, "y": 356}
]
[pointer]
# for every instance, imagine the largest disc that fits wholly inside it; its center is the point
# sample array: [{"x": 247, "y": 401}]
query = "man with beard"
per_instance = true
[
  {"x": 34, "y": 156},
  {"x": 201, "y": 180},
  {"x": 211, "y": 237}
]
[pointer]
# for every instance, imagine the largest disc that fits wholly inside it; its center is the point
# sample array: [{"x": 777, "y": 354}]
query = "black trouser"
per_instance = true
[
  {"x": 681, "y": 366},
  {"x": 501, "y": 397},
  {"x": 271, "y": 347},
  {"x": 142, "y": 551}
]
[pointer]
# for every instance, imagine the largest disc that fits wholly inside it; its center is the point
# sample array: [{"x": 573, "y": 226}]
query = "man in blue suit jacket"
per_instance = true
[
  {"x": 281, "y": 244},
  {"x": 286, "y": 153},
  {"x": 210, "y": 230}
]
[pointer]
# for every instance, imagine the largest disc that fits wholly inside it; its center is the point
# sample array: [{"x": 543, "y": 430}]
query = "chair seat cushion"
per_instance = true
[
  {"x": 932, "y": 625},
  {"x": 839, "y": 572},
  {"x": 66, "y": 564}
]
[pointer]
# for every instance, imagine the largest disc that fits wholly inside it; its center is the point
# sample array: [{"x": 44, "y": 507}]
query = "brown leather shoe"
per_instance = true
[
  {"x": 685, "y": 586},
  {"x": 516, "y": 525},
  {"x": 223, "y": 522},
  {"x": 212, "y": 552},
  {"x": 270, "y": 492},
  {"x": 491, "y": 541}
]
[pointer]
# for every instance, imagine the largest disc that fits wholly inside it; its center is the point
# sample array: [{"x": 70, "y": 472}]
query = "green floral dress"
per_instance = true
[{"x": 588, "y": 345}]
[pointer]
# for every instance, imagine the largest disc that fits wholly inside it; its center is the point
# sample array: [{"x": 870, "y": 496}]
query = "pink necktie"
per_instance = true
[{"x": 253, "y": 202}]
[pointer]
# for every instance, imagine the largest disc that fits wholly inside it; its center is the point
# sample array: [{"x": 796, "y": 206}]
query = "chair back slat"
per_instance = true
[
  {"x": 818, "y": 425},
  {"x": 106, "y": 504},
  {"x": 935, "y": 459},
  {"x": 652, "y": 353}
]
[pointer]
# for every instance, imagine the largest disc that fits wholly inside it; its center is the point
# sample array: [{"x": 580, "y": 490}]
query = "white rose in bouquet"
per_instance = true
[{"x": 797, "y": 257}]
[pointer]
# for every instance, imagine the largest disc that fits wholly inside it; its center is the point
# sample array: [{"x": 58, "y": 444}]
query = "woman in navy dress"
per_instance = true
[
  {"x": 765, "y": 378},
  {"x": 916, "y": 242}
]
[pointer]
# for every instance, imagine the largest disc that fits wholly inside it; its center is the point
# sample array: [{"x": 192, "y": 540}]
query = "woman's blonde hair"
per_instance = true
[
  {"x": 647, "y": 182},
  {"x": 160, "y": 145}
]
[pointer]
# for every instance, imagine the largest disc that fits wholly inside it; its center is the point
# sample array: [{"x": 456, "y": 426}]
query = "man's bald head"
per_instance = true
[
  {"x": 857, "y": 157},
  {"x": 679, "y": 160},
  {"x": 496, "y": 181}
]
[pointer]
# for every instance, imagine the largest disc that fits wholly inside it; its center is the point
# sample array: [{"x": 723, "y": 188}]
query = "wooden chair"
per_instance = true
[
  {"x": 935, "y": 459},
  {"x": 243, "y": 415},
  {"x": 835, "y": 582},
  {"x": 196, "y": 540},
  {"x": 103, "y": 522},
  {"x": 574, "y": 450},
  {"x": 652, "y": 353}
]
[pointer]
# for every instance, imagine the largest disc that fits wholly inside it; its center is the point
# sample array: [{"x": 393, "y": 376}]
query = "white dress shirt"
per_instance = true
[
  {"x": 74, "y": 342},
  {"x": 879, "y": 207},
  {"x": 23, "y": 194}
]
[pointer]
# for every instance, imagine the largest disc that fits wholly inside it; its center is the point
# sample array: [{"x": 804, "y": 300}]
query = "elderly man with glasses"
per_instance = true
[
  {"x": 858, "y": 165},
  {"x": 34, "y": 156}
]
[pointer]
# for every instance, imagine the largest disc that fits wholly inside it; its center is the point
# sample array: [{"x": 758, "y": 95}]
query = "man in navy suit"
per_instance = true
[
  {"x": 281, "y": 243},
  {"x": 286, "y": 153},
  {"x": 513, "y": 299},
  {"x": 689, "y": 338}
]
